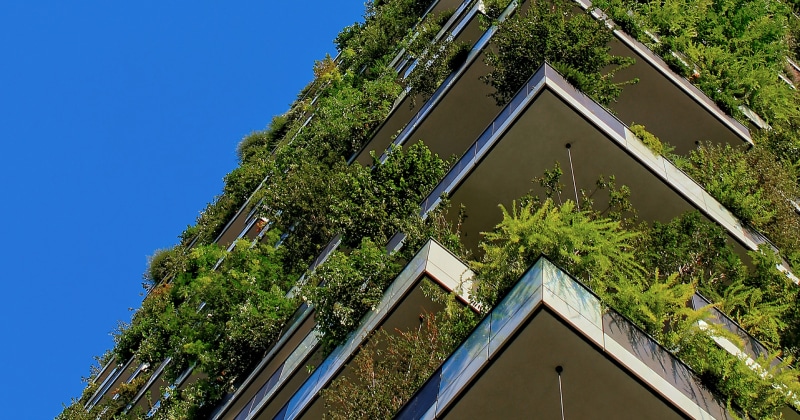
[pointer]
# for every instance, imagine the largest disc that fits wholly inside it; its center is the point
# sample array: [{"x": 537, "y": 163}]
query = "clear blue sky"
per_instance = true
[{"x": 118, "y": 121}]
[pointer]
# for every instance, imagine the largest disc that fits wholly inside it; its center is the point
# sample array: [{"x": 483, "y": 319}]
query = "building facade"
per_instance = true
[{"x": 551, "y": 345}]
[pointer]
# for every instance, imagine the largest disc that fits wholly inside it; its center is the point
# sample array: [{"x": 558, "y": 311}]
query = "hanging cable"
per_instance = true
[
  {"x": 572, "y": 172},
  {"x": 560, "y": 369}
]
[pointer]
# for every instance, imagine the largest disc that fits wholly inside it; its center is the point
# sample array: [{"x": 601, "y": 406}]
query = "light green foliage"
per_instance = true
[
  {"x": 651, "y": 141},
  {"x": 575, "y": 44},
  {"x": 734, "y": 49},
  {"x": 725, "y": 174},
  {"x": 625, "y": 269},
  {"x": 757, "y": 395},
  {"x": 261, "y": 143},
  {"x": 755, "y": 185},
  {"x": 596, "y": 250},
  {"x": 348, "y": 112},
  {"x": 737, "y": 45},
  {"x": 765, "y": 303},
  {"x": 346, "y": 286},
  {"x": 220, "y": 320}
]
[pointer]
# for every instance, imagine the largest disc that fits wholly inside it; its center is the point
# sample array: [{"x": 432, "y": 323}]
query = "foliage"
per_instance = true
[
  {"x": 731, "y": 49},
  {"x": 596, "y": 249},
  {"x": 655, "y": 302},
  {"x": 163, "y": 264},
  {"x": 765, "y": 303},
  {"x": 259, "y": 143},
  {"x": 695, "y": 250},
  {"x": 348, "y": 112},
  {"x": 437, "y": 226},
  {"x": 239, "y": 184},
  {"x": 385, "y": 24},
  {"x": 393, "y": 365},
  {"x": 345, "y": 287},
  {"x": 575, "y": 44},
  {"x": 755, "y": 185},
  {"x": 759, "y": 393},
  {"x": 223, "y": 310},
  {"x": 387, "y": 372},
  {"x": 319, "y": 201},
  {"x": 219, "y": 317},
  {"x": 434, "y": 61},
  {"x": 650, "y": 140},
  {"x": 494, "y": 8}
]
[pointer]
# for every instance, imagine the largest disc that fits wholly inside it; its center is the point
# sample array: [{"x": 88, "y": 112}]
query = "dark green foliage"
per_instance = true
[
  {"x": 386, "y": 24},
  {"x": 694, "y": 249},
  {"x": 573, "y": 43},
  {"x": 387, "y": 371},
  {"x": 435, "y": 61},
  {"x": 239, "y": 184},
  {"x": 163, "y": 264},
  {"x": 220, "y": 320},
  {"x": 261, "y": 143},
  {"x": 346, "y": 286},
  {"x": 494, "y": 8},
  {"x": 319, "y": 201}
]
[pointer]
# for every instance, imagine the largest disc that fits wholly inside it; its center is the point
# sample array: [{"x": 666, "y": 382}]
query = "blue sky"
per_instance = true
[{"x": 118, "y": 122}]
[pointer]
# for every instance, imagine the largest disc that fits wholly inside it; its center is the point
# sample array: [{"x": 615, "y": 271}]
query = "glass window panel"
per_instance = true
[
  {"x": 454, "y": 386},
  {"x": 423, "y": 400},
  {"x": 476, "y": 347},
  {"x": 573, "y": 293},
  {"x": 503, "y": 327}
]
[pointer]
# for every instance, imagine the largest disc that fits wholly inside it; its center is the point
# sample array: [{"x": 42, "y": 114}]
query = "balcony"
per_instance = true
[
  {"x": 533, "y": 132},
  {"x": 284, "y": 387},
  {"x": 666, "y": 103},
  {"x": 610, "y": 369}
]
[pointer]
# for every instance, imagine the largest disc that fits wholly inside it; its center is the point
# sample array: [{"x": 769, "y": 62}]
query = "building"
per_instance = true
[{"x": 551, "y": 346}]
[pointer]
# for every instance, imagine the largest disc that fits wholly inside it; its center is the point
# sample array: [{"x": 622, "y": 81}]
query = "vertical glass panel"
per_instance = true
[
  {"x": 300, "y": 353},
  {"x": 458, "y": 383},
  {"x": 503, "y": 325},
  {"x": 573, "y": 293},
  {"x": 475, "y": 348},
  {"x": 513, "y": 302},
  {"x": 423, "y": 400},
  {"x": 298, "y": 401},
  {"x": 484, "y": 140}
]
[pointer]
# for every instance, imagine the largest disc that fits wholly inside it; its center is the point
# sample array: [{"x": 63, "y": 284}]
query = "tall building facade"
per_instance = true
[{"x": 273, "y": 341}]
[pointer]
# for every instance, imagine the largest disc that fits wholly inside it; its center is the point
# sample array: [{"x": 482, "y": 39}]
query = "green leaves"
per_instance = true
[
  {"x": 346, "y": 286},
  {"x": 599, "y": 251},
  {"x": 575, "y": 44}
]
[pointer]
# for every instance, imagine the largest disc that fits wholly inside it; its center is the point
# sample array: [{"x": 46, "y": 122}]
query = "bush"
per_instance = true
[{"x": 575, "y": 44}]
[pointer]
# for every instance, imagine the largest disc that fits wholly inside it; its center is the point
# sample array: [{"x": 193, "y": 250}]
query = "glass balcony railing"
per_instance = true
[{"x": 546, "y": 285}]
